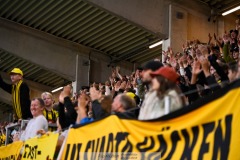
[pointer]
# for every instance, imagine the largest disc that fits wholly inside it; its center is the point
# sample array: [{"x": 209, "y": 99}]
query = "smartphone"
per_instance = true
[{"x": 182, "y": 72}]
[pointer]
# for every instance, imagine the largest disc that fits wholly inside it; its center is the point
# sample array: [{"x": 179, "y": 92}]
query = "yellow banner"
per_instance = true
[
  {"x": 42, "y": 148},
  {"x": 207, "y": 130},
  {"x": 11, "y": 151}
]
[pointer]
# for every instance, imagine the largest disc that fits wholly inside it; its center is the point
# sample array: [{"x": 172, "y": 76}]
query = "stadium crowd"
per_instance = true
[{"x": 152, "y": 91}]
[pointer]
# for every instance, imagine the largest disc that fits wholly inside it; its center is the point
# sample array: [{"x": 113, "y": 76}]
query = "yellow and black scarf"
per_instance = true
[{"x": 16, "y": 99}]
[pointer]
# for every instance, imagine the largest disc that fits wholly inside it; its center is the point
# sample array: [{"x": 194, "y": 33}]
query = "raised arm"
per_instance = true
[{"x": 5, "y": 86}]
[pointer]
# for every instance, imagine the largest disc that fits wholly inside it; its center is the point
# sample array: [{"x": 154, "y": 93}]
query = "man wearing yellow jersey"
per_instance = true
[{"x": 20, "y": 94}]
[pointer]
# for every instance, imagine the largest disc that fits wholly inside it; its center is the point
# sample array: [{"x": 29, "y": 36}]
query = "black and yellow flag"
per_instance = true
[{"x": 208, "y": 129}]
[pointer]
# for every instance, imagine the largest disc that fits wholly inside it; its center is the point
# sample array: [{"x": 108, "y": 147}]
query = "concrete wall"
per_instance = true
[
  {"x": 150, "y": 14},
  {"x": 197, "y": 15},
  {"x": 38, "y": 47},
  {"x": 193, "y": 25},
  {"x": 154, "y": 15},
  {"x": 178, "y": 27},
  {"x": 56, "y": 54},
  {"x": 101, "y": 68},
  {"x": 226, "y": 23},
  {"x": 229, "y": 22},
  {"x": 199, "y": 27}
]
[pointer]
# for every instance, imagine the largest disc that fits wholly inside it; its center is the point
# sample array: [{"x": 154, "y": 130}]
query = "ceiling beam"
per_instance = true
[
  {"x": 147, "y": 58},
  {"x": 146, "y": 54}
]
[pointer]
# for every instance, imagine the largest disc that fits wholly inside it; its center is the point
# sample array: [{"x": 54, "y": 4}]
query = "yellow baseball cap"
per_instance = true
[
  {"x": 17, "y": 71},
  {"x": 130, "y": 94}
]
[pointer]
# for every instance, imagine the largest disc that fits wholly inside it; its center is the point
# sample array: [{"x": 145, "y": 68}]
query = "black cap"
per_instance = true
[
  {"x": 235, "y": 49},
  {"x": 236, "y": 31},
  {"x": 153, "y": 65},
  {"x": 139, "y": 68}
]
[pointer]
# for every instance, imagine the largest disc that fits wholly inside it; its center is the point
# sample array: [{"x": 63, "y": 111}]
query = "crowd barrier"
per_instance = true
[{"x": 18, "y": 128}]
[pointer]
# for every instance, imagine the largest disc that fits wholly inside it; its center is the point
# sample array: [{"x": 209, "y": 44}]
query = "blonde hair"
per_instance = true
[{"x": 48, "y": 94}]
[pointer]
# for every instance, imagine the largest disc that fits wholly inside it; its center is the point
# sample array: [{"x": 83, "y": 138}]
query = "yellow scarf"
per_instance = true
[{"x": 16, "y": 99}]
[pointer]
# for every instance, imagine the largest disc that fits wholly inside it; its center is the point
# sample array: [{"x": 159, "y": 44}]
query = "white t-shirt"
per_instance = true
[
  {"x": 35, "y": 124},
  {"x": 107, "y": 91}
]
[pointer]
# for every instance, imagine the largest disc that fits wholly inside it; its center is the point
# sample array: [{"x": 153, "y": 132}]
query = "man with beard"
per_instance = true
[
  {"x": 150, "y": 98},
  {"x": 235, "y": 53}
]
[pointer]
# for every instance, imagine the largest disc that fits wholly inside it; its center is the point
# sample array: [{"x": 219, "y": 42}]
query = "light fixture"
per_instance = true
[
  {"x": 57, "y": 89},
  {"x": 231, "y": 10},
  {"x": 156, "y": 44}
]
